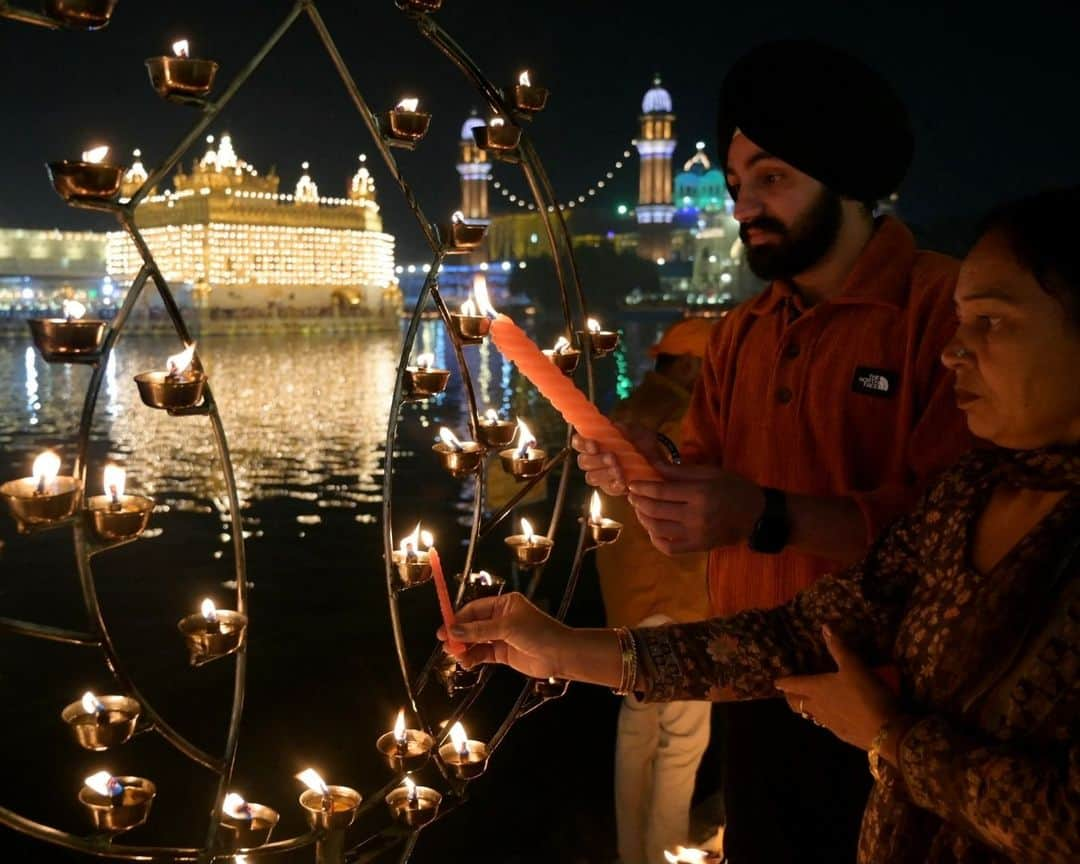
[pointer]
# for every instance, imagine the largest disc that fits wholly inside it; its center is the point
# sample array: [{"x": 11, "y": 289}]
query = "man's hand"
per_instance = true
[{"x": 602, "y": 468}]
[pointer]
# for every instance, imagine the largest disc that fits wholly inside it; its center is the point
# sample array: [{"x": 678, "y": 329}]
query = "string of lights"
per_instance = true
[{"x": 524, "y": 202}]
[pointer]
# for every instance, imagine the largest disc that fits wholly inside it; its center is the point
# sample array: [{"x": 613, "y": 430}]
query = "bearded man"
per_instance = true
[{"x": 821, "y": 413}]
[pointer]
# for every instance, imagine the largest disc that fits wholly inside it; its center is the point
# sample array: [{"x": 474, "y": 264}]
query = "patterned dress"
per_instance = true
[{"x": 989, "y": 663}]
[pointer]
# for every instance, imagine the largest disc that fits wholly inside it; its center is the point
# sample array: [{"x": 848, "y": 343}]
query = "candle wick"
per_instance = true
[{"x": 40, "y": 486}]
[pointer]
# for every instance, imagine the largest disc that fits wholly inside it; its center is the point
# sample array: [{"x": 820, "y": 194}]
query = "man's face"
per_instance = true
[{"x": 788, "y": 220}]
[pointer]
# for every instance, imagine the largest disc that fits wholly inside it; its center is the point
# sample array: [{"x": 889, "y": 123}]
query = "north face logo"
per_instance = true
[{"x": 874, "y": 382}]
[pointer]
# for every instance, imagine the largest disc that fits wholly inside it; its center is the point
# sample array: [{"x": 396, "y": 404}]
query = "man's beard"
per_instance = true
[{"x": 798, "y": 248}]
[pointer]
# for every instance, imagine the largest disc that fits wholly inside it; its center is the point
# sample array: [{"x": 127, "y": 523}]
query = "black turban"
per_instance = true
[{"x": 822, "y": 111}]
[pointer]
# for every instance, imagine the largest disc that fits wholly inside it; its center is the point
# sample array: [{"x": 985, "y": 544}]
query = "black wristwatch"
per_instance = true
[{"x": 772, "y": 529}]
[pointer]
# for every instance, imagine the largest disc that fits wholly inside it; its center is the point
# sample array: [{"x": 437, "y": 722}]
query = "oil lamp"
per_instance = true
[
  {"x": 473, "y": 322},
  {"x": 181, "y": 77},
  {"x": 89, "y": 179},
  {"x": 179, "y": 386},
  {"x": 460, "y": 458},
  {"x": 211, "y": 632},
  {"x": 246, "y": 825},
  {"x": 328, "y": 807},
  {"x": 44, "y": 498},
  {"x": 549, "y": 688},
  {"x": 68, "y": 338},
  {"x": 464, "y": 758},
  {"x": 80, "y": 14},
  {"x": 459, "y": 236},
  {"x": 455, "y": 677},
  {"x": 117, "y": 804},
  {"x": 413, "y": 805},
  {"x": 563, "y": 355},
  {"x": 482, "y": 584},
  {"x": 403, "y": 125},
  {"x": 114, "y": 515},
  {"x": 530, "y": 550},
  {"x": 497, "y": 136},
  {"x": 423, "y": 380},
  {"x": 413, "y": 563},
  {"x": 528, "y": 97},
  {"x": 525, "y": 460},
  {"x": 601, "y": 342},
  {"x": 405, "y": 749},
  {"x": 494, "y": 432},
  {"x": 601, "y": 529},
  {"x": 101, "y": 722}
]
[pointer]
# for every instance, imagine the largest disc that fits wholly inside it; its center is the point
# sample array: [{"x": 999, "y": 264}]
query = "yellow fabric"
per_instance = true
[{"x": 636, "y": 580}]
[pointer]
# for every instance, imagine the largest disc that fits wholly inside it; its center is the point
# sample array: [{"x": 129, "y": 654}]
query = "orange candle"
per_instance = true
[
  {"x": 453, "y": 646},
  {"x": 560, "y": 391}
]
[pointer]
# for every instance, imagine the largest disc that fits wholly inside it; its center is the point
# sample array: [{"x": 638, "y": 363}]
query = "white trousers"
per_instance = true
[{"x": 657, "y": 752}]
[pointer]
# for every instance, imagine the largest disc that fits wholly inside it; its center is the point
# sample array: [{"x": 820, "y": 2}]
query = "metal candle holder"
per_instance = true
[
  {"x": 475, "y": 588},
  {"x": 182, "y": 79},
  {"x": 567, "y": 360},
  {"x": 461, "y": 461},
  {"x": 468, "y": 765},
  {"x": 461, "y": 237},
  {"x": 529, "y": 98},
  {"x": 602, "y": 342},
  {"x": 75, "y": 180},
  {"x": 80, "y": 14},
  {"x": 498, "y": 138},
  {"x": 404, "y": 128},
  {"x": 498, "y": 434},
  {"x": 113, "y": 520},
  {"x": 604, "y": 530},
  {"x": 171, "y": 392},
  {"x": 100, "y": 731},
  {"x": 422, "y": 383},
  {"x": 549, "y": 688},
  {"x": 409, "y": 755},
  {"x": 470, "y": 329},
  {"x": 129, "y": 809},
  {"x": 411, "y": 570},
  {"x": 530, "y": 552},
  {"x": 332, "y": 813},
  {"x": 207, "y": 640},
  {"x": 520, "y": 465},
  {"x": 239, "y": 832},
  {"x": 32, "y": 509},
  {"x": 414, "y": 810},
  {"x": 60, "y": 339},
  {"x": 454, "y": 677}
]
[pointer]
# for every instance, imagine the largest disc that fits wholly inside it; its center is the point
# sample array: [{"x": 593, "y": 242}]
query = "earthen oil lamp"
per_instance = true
[
  {"x": 101, "y": 722},
  {"x": 455, "y": 678},
  {"x": 68, "y": 338},
  {"x": 460, "y": 458},
  {"x": 482, "y": 584},
  {"x": 412, "y": 562},
  {"x": 530, "y": 550},
  {"x": 549, "y": 688},
  {"x": 465, "y": 759},
  {"x": 181, "y": 77},
  {"x": 211, "y": 632},
  {"x": 423, "y": 379},
  {"x": 413, "y": 805},
  {"x": 563, "y": 355},
  {"x": 43, "y": 499},
  {"x": 179, "y": 386},
  {"x": 331, "y": 808},
  {"x": 244, "y": 824},
  {"x": 405, "y": 749},
  {"x": 526, "y": 459},
  {"x": 497, "y": 137},
  {"x": 601, "y": 529},
  {"x": 117, "y": 804},
  {"x": 403, "y": 125},
  {"x": 114, "y": 515},
  {"x": 80, "y": 14},
  {"x": 473, "y": 322},
  {"x": 529, "y": 98},
  {"x": 90, "y": 179},
  {"x": 460, "y": 236},
  {"x": 494, "y": 432},
  {"x": 602, "y": 342}
]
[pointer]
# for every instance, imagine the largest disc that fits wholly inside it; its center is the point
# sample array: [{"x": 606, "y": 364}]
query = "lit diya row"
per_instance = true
[{"x": 117, "y": 803}]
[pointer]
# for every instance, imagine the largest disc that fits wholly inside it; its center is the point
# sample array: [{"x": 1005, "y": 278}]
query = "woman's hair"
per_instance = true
[{"x": 1043, "y": 231}]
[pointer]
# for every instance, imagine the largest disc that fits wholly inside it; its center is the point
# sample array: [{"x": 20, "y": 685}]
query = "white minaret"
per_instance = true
[{"x": 475, "y": 169}]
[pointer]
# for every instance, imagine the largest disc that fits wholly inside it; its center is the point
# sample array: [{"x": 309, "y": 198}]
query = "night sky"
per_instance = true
[{"x": 993, "y": 93}]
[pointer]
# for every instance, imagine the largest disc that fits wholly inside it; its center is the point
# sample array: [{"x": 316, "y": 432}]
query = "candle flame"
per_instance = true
[
  {"x": 115, "y": 479},
  {"x": 483, "y": 578},
  {"x": 46, "y": 467},
  {"x": 178, "y": 364},
  {"x": 523, "y": 79},
  {"x": 410, "y": 786},
  {"x": 468, "y": 308},
  {"x": 181, "y": 48},
  {"x": 104, "y": 784},
  {"x": 491, "y": 416},
  {"x": 236, "y": 807},
  {"x": 95, "y": 154},
  {"x": 526, "y": 530},
  {"x": 592, "y": 325},
  {"x": 682, "y": 855},
  {"x": 457, "y": 216},
  {"x": 209, "y": 611},
  {"x": 562, "y": 345},
  {"x": 496, "y": 122},
  {"x": 408, "y": 104},
  {"x": 427, "y": 538},
  {"x": 450, "y": 439},
  {"x": 91, "y": 704},
  {"x": 409, "y": 543},
  {"x": 73, "y": 309},
  {"x": 595, "y": 513},
  {"x": 459, "y": 738},
  {"x": 399, "y": 726},
  {"x": 425, "y": 361},
  {"x": 526, "y": 439},
  {"x": 480, "y": 291},
  {"x": 310, "y": 778}
]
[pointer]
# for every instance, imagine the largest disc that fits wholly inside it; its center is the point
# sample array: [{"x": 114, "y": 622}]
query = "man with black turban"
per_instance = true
[{"x": 821, "y": 414}]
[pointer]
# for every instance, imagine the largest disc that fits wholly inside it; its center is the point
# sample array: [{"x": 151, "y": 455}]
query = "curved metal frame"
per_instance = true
[{"x": 572, "y": 300}]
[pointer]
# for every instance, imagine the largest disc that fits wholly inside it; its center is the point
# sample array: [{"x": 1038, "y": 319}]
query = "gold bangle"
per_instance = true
[{"x": 629, "y": 658}]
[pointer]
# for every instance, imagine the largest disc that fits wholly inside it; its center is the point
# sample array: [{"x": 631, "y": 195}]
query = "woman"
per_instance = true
[{"x": 975, "y": 596}]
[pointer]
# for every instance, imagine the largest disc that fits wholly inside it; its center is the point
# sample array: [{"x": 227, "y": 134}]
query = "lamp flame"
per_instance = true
[
  {"x": 523, "y": 79},
  {"x": 491, "y": 416},
  {"x": 91, "y": 704},
  {"x": 115, "y": 478},
  {"x": 527, "y": 530},
  {"x": 427, "y": 538},
  {"x": 562, "y": 345},
  {"x": 480, "y": 291},
  {"x": 682, "y": 855},
  {"x": 496, "y": 122},
  {"x": 209, "y": 611},
  {"x": 468, "y": 308},
  {"x": 73, "y": 310},
  {"x": 411, "y": 787},
  {"x": 104, "y": 784},
  {"x": 179, "y": 364},
  {"x": 408, "y": 104},
  {"x": 310, "y": 778},
  {"x": 46, "y": 467},
  {"x": 595, "y": 514},
  {"x": 481, "y": 578},
  {"x": 236, "y": 807},
  {"x": 409, "y": 543},
  {"x": 181, "y": 48},
  {"x": 95, "y": 154},
  {"x": 526, "y": 439},
  {"x": 425, "y": 361},
  {"x": 459, "y": 738},
  {"x": 450, "y": 439},
  {"x": 399, "y": 728},
  {"x": 457, "y": 216},
  {"x": 592, "y": 325}
]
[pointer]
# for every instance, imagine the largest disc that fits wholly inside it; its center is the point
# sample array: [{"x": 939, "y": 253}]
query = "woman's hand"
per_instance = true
[
  {"x": 508, "y": 629},
  {"x": 851, "y": 702}
]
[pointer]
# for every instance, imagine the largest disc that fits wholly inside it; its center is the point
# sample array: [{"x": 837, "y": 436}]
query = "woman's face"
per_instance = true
[{"x": 1015, "y": 353}]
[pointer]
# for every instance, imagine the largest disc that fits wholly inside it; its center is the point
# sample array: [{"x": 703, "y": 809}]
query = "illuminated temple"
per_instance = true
[{"x": 235, "y": 243}]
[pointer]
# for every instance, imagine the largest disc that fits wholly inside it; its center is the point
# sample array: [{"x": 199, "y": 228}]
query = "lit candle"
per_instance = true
[
  {"x": 453, "y": 646},
  {"x": 530, "y": 550},
  {"x": 115, "y": 478},
  {"x": 413, "y": 805},
  {"x": 94, "y": 707},
  {"x": 101, "y": 723},
  {"x": 181, "y": 77},
  {"x": 181, "y": 48},
  {"x": 466, "y": 759},
  {"x": 73, "y": 310},
  {"x": 105, "y": 785},
  {"x": 603, "y": 530},
  {"x": 523, "y": 79},
  {"x": 313, "y": 780},
  {"x": 178, "y": 366},
  {"x": 45, "y": 470},
  {"x": 407, "y": 105},
  {"x": 405, "y": 749},
  {"x": 95, "y": 155},
  {"x": 329, "y": 807},
  {"x": 235, "y": 807}
]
